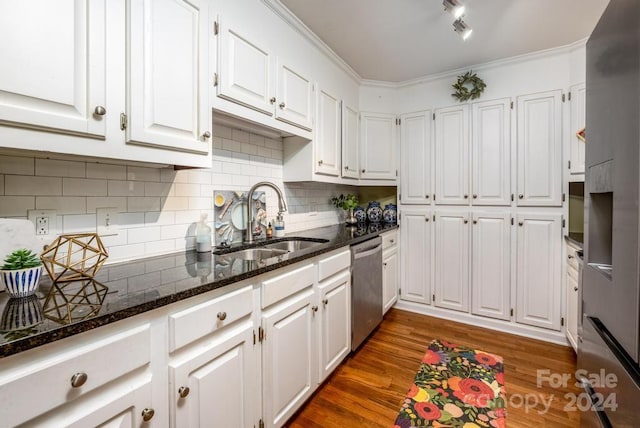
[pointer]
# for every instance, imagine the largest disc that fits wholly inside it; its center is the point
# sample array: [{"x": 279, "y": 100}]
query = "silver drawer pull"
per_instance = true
[
  {"x": 147, "y": 414},
  {"x": 222, "y": 316},
  {"x": 78, "y": 379},
  {"x": 100, "y": 111},
  {"x": 183, "y": 391}
]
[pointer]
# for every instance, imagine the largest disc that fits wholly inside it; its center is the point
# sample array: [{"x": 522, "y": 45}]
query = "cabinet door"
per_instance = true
[
  {"x": 350, "y": 142},
  {"x": 490, "y": 265},
  {"x": 415, "y": 256},
  {"x": 540, "y": 149},
  {"x": 335, "y": 322},
  {"x": 244, "y": 69},
  {"x": 328, "y": 134},
  {"x": 378, "y": 146},
  {"x": 452, "y": 156},
  {"x": 538, "y": 270},
  {"x": 289, "y": 357},
  {"x": 491, "y": 152},
  {"x": 578, "y": 122},
  {"x": 415, "y": 158},
  {"x": 452, "y": 261},
  {"x": 53, "y": 65},
  {"x": 572, "y": 311},
  {"x": 389, "y": 278},
  {"x": 294, "y": 97},
  {"x": 167, "y": 91},
  {"x": 222, "y": 381}
]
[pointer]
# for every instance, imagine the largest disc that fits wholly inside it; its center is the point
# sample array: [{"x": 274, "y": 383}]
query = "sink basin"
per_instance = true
[
  {"x": 257, "y": 253},
  {"x": 292, "y": 245}
]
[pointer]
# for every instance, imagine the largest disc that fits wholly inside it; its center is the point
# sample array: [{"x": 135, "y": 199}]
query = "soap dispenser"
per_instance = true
[{"x": 203, "y": 235}]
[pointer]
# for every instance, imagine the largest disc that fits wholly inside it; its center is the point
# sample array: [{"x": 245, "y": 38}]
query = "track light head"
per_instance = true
[
  {"x": 462, "y": 28},
  {"x": 454, "y": 7}
]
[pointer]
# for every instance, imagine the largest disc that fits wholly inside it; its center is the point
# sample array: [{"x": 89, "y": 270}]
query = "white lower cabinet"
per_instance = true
[
  {"x": 451, "y": 284},
  {"x": 415, "y": 261},
  {"x": 491, "y": 264},
  {"x": 289, "y": 356},
  {"x": 573, "y": 296},
  {"x": 538, "y": 281},
  {"x": 335, "y": 322},
  {"x": 389, "y": 270}
]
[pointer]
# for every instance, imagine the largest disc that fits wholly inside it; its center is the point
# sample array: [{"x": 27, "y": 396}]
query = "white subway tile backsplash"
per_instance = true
[
  {"x": 1, "y": 184},
  {"x": 200, "y": 203},
  {"x": 222, "y": 131},
  {"x": 231, "y": 145},
  {"x": 119, "y": 202},
  {"x": 106, "y": 171},
  {"x": 273, "y": 144},
  {"x": 183, "y": 189},
  {"x": 193, "y": 216},
  {"x": 249, "y": 149},
  {"x": 32, "y": 186},
  {"x": 130, "y": 220},
  {"x": 84, "y": 187},
  {"x": 126, "y": 252},
  {"x": 240, "y": 136},
  {"x": 199, "y": 177},
  {"x": 174, "y": 231},
  {"x": 264, "y": 152},
  {"x": 59, "y": 168},
  {"x": 174, "y": 203},
  {"x": 143, "y": 234},
  {"x": 125, "y": 188},
  {"x": 160, "y": 247},
  {"x": 143, "y": 204},
  {"x": 17, "y": 165},
  {"x": 138, "y": 173},
  {"x": 63, "y": 204},
  {"x": 160, "y": 218},
  {"x": 16, "y": 206},
  {"x": 112, "y": 240},
  {"x": 158, "y": 189},
  {"x": 76, "y": 223},
  {"x": 216, "y": 142}
]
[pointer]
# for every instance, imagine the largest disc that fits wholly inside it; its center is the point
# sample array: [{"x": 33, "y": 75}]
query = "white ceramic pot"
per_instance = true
[{"x": 21, "y": 282}]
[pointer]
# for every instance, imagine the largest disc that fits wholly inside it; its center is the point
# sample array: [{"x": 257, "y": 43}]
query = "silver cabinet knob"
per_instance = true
[
  {"x": 475, "y": 221},
  {"x": 99, "y": 111},
  {"x": 475, "y": 196},
  {"x": 183, "y": 391},
  {"x": 320, "y": 162},
  {"x": 575, "y": 288},
  {"x": 325, "y": 302},
  {"x": 466, "y": 196},
  {"x": 466, "y": 221},
  {"x": 206, "y": 135},
  {"x": 78, "y": 379},
  {"x": 346, "y": 168},
  {"x": 364, "y": 170},
  {"x": 147, "y": 414},
  {"x": 282, "y": 105},
  {"x": 520, "y": 223},
  {"x": 520, "y": 196},
  {"x": 222, "y": 316},
  {"x": 272, "y": 100},
  {"x": 569, "y": 256},
  {"x": 426, "y": 219},
  {"x": 314, "y": 309},
  {"x": 392, "y": 241},
  {"x": 426, "y": 196}
]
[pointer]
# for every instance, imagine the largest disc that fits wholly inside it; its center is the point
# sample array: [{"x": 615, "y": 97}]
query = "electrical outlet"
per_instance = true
[
  {"x": 107, "y": 221},
  {"x": 45, "y": 222}
]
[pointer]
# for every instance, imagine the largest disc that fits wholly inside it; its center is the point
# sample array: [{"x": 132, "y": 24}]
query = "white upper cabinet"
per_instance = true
[
  {"x": 451, "y": 283},
  {"x": 415, "y": 158},
  {"x": 540, "y": 149},
  {"x": 415, "y": 260},
  {"x": 350, "y": 142},
  {"x": 452, "y": 156},
  {"x": 244, "y": 69},
  {"x": 578, "y": 94},
  {"x": 491, "y": 265},
  {"x": 538, "y": 271},
  {"x": 294, "y": 97},
  {"x": 491, "y": 152},
  {"x": 378, "y": 146},
  {"x": 328, "y": 134},
  {"x": 167, "y": 90},
  {"x": 53, "y": 65}
]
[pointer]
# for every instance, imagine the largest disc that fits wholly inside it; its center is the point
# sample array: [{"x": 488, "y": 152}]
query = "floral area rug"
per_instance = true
[{"x": 455, "y": 387}]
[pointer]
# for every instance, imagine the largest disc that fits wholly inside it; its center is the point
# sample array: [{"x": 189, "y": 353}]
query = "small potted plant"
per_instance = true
[
  {"x": 348, "y": 203},
  {"x": 20, "y": 273}
]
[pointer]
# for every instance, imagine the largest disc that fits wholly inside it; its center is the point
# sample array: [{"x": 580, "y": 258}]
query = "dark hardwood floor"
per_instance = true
[{"x": 369, "y": 387}]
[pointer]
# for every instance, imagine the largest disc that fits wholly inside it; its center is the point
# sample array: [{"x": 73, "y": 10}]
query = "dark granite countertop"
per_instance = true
[
  {"x": 126, "y": 289},
  {"x": 575, "y": 238}
]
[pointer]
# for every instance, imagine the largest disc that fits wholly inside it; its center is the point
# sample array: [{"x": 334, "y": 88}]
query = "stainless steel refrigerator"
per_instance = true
[{"x": 609, "y": 335}]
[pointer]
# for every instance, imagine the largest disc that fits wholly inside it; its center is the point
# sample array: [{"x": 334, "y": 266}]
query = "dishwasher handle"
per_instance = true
[{"x": 357, "y": 254}]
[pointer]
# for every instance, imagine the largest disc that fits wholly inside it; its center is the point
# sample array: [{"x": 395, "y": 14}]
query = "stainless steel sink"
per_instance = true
[
  {"x": 257, "y": 253},
  {"x": 293, "y": 245}
]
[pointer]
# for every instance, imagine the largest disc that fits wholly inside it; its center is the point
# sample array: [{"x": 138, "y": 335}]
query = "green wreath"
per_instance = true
[{"x": 462, "y": 92}]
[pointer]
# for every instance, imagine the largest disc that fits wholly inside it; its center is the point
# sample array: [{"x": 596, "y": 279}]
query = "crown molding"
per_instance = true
[
  {"x": 294, "y": 22},
  {"x": 529, "y": 56}
]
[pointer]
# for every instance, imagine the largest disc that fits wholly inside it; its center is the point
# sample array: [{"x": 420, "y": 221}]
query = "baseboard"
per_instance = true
[{"x": 556, "y": 337}]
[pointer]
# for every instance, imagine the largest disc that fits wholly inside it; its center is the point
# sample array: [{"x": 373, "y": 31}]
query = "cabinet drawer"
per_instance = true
[
  {"x": 389, "y": 239},
  {"x": 191, "y": 324},
  {"x": 282, "y": 286},
  {"x": 42, "y": 386},
  {"x": 334, "y": 264}
]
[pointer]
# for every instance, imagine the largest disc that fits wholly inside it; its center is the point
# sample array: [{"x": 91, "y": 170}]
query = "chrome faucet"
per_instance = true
[{"x": 282, "y": 207}]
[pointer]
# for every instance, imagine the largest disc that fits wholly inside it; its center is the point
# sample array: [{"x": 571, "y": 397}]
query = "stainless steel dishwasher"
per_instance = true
[{"x": 366, "y": 289}]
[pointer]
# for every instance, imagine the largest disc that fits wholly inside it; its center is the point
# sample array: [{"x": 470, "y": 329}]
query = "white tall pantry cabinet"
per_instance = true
[{"x": 463, "y": 255}]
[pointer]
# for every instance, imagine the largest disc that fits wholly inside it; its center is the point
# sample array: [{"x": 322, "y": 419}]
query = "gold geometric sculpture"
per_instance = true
[
  {"x": 79, "y": 255},
  {"x": 73, "y": 301}
]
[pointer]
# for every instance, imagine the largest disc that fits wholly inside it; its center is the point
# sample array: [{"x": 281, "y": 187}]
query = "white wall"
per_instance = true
[{"x": 159, "y": 206}]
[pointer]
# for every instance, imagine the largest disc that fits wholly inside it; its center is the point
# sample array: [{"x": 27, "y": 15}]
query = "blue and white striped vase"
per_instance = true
[{"x": 21, "y": 282}]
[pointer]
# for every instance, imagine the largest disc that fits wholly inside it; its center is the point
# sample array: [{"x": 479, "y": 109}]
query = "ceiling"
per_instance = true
[{"x": 400, "y": 40}]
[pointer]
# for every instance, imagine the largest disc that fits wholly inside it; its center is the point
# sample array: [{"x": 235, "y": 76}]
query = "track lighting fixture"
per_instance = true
[
  {"x": 462, "y": 28},
  {"x": 454, "y": 7}
]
